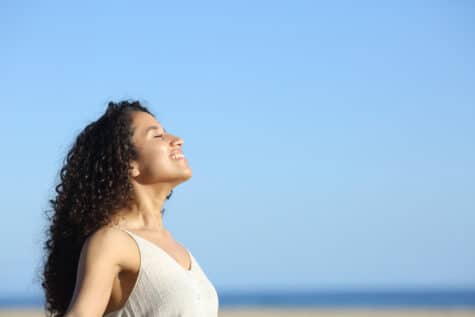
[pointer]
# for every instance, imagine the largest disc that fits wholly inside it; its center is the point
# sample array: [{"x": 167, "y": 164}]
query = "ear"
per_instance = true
[{"x": 135, "y": 171}]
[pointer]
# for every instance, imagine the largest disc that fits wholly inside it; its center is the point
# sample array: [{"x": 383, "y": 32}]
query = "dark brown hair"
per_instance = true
[{"x": 94, "y": 183}]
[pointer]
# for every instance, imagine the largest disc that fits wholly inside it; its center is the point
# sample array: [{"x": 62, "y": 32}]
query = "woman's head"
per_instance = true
[
  {"x": 108, "y": 160},
  {"x": 159, "y": 160}
]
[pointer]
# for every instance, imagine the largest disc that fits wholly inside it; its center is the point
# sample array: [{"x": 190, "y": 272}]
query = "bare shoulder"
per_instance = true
[
  {"x": 104, "y": 254},
  {"x": 113, "y": 245}
]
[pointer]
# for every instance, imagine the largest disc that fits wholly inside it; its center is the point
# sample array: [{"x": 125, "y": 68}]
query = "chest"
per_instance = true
[{"x": 162, "y": 286}]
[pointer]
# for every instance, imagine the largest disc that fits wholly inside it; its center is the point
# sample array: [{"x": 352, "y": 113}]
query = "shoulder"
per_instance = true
[
  {"x": 112, "y": 245},
  {"x": 104, "y": 255}
]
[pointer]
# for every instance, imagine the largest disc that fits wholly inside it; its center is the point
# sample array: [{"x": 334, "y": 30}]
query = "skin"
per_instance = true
[{"x": 109, "y": 262}]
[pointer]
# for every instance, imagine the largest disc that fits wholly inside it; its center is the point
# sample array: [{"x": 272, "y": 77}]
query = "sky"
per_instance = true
[{"x": 332, "y": 144}]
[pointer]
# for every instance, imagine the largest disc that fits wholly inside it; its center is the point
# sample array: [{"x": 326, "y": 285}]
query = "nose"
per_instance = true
[{"x": 177, "y": 140}]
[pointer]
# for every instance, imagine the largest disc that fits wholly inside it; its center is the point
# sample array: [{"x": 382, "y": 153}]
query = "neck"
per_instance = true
[{"x": 144, "y": 212}]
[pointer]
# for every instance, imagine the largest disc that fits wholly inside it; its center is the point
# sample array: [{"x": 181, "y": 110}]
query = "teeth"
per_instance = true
[{"x": 177, "y": 156}]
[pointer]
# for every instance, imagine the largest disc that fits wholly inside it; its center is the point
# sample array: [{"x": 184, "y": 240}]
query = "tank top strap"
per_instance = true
[
  {"x": 131, "y": 234},
  {"x": 146, "y": 246},
  {"x": 122, "y": 229},
  {"x": 142, "y": 243}
]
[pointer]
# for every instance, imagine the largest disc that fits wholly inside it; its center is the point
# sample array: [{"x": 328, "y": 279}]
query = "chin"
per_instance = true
[
  {"x": 188, "y": 176},
  {"x": 184, "y": 177},
  {"x": 188, "y": 173}
]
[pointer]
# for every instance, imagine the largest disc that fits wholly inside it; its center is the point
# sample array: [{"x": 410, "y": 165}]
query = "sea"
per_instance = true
[{"x": 316, "y": 299}]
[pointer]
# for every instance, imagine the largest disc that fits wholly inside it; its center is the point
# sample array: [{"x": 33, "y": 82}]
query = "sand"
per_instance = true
[
  {"x": 304, "y": 312},
  {"x": 346, "y": 313}
]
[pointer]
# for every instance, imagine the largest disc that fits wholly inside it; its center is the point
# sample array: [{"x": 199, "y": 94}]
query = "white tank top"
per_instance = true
[{"x": 164, "y": 288}]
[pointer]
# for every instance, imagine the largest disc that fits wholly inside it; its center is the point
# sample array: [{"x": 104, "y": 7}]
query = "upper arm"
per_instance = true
[{"x": 99, "y": 263}]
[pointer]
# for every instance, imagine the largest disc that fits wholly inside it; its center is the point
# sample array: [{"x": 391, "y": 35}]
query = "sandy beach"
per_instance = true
[{"x": 303, "y": 313}]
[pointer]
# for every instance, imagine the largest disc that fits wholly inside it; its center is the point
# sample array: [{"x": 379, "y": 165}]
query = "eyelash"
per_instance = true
[{"x": 159, "y": 136}]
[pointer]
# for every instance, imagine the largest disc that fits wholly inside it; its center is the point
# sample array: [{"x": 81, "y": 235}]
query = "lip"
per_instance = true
[{"x": 178, "y": 152}]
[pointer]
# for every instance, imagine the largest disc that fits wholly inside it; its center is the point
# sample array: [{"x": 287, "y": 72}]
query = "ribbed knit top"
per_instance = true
[{"x": 164, "y": 288}]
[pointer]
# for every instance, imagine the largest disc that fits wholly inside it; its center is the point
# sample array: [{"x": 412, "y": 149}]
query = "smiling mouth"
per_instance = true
[{"x": 178, "y": 156}]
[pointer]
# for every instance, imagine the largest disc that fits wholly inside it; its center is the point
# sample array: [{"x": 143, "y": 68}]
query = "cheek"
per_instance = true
[{"x": 155, "y": 160}]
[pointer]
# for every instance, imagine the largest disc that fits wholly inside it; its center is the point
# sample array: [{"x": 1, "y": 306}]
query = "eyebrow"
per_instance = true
[{"x": 154, "y": 127}]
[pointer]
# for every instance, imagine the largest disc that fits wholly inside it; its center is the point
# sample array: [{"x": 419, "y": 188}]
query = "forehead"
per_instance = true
[{"x": 143, "y": 122}]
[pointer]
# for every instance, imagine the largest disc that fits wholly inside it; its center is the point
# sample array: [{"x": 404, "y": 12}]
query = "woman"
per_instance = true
[{"x": 108, "y": 252}]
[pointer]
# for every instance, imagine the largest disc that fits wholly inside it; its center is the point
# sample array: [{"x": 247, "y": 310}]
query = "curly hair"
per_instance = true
[{"x": 94, "y": 184}]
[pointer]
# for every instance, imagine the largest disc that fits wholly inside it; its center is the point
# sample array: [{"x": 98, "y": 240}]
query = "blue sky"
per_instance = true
[{"x": 332, "y": 145}]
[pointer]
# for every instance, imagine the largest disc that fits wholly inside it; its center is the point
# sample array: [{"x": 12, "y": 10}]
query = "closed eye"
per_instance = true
[{"x": 158, "y": 136}]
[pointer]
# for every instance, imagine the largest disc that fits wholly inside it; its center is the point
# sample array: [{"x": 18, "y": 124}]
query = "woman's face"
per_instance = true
[{"x": 160, "y": 157}]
